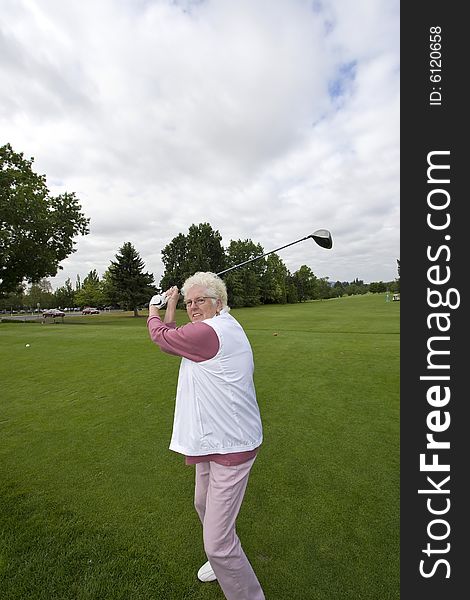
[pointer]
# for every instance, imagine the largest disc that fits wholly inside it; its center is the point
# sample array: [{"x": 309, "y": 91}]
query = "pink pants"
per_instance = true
[{"x": 218, "y": 496}]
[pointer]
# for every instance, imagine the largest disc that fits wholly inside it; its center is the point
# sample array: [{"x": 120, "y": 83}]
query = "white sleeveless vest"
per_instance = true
[{"x": 216, "y": 409}]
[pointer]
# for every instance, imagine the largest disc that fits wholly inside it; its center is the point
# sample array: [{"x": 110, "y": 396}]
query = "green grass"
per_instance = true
[{"x": 95, "y": 506}]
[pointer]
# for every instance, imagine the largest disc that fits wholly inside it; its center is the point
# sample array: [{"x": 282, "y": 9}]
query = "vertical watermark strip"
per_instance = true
[{"x": 434, "y": 408}]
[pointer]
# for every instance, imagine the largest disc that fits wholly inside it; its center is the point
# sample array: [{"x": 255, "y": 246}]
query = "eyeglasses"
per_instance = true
[{"x": 198, "y": 301}]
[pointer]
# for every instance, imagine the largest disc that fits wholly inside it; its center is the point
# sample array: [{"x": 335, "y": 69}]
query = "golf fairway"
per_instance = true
[{"x": 95, "y": 506}]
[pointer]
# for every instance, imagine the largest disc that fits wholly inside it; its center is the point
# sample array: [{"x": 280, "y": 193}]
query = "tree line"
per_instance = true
[
  {"x": 126, "y": 285},
  {"x": 38, "y": 231}
]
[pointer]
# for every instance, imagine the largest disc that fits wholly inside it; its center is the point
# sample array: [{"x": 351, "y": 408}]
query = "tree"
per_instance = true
[
  {"x": 200, "y": 250},
  {"x": 305, "y": 282},
  {"x": 339, "y": 288},
  {"x": 37, "y": 229},
  {"x": 90, "y": 292},
  {"x": 377, "y": 287},
  {"x": 40, "y": 293},
  {"x": 110, "y": 294},
  {"x": 205, "y": 251},
  {"x": 174, "y": 257},
  {"x": 323, "y": 288},
  {"x": 274, "y": 282},
  {"x": 65, "y": 295},
  {"x": 291, "y": 290},
  {"x": 13, "y": 300},
  {"x": 132, "y": 286},
  {"x": 357, "y": 287},
  {"x": 244, "y": 284}
]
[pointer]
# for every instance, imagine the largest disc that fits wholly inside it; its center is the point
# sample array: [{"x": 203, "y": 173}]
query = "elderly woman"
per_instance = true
[{"x": 217, "y": 424}]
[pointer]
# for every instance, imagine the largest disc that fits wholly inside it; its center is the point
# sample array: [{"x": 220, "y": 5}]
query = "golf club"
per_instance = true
[{"x": 321, "y": 236}]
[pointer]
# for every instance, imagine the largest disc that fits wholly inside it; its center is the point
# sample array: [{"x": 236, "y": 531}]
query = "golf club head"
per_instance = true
[{"x": 323, "y": 238}]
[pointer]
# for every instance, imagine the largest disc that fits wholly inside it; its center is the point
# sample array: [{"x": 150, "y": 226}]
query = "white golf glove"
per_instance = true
[{"x": 159, "y": 300}]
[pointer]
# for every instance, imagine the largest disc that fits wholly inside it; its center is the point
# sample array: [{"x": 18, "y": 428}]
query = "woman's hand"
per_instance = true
[{"x": 172, "y": 296}]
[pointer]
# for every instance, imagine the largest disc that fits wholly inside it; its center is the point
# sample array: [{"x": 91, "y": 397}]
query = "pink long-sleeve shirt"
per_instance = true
[{"x": 196, "y": 342}]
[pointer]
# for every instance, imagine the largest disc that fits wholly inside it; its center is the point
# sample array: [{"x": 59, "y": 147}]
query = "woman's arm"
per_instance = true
[
  {"x": 195, "y": 341},
  {"x": 173, "y": 296}
]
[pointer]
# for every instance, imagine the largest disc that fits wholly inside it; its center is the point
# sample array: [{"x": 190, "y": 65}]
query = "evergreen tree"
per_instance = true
[
  {"x": 110, "y": 294},
  {"x": 133, "y": 287}
]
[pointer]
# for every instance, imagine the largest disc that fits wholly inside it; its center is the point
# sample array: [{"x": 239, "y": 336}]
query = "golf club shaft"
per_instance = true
[{"x": 261, "y": 256}]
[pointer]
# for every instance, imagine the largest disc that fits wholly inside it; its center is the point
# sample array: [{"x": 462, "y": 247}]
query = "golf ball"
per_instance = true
[{"x": 27, "y": 345}]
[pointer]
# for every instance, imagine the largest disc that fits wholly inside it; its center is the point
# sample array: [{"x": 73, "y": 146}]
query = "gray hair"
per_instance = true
[{"x": 211, "y": 283}]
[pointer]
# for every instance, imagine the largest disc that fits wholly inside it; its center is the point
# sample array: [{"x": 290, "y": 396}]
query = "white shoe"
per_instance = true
[{"x": 206, "y": 573}]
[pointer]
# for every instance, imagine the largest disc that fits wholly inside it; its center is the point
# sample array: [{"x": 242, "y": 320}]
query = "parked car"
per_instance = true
[
  {"x": 53, "y": 312},
  {"x": 90, "y": 311}
]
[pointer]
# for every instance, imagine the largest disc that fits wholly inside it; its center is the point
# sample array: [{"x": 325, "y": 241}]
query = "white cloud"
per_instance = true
[{"x": 161, "y": 114}]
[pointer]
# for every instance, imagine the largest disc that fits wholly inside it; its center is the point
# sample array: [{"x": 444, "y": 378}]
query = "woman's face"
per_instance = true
[{"x": 199, "y": 304}]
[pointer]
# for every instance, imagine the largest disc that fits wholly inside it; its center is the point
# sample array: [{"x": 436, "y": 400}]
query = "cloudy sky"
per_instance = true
[{"x": 266, "y": 118}]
